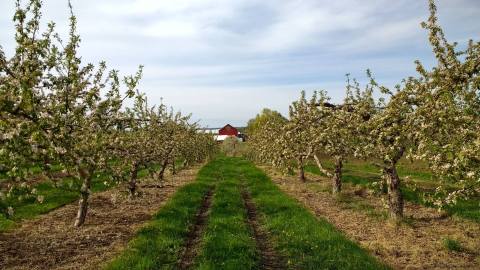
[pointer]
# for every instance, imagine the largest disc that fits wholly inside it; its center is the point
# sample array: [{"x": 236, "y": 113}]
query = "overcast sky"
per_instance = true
[{"x": 224, "y": 60}]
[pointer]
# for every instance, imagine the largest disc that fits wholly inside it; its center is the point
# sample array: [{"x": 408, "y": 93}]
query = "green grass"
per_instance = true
[
  {"x": 306, "y": 241},
  {"x": 363, "y": 173},
  {"x": 452, "y": 245},
  {"x": 227, "y": 242},
  {"x": 355, "y": 203},
  {"x": 157, "y": 245},
  {"x": 54, "y": 197},
  {"x": 6, "y": 224}
]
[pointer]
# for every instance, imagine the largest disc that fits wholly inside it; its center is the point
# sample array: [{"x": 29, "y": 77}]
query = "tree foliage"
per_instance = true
[
  {"x": 56, "y": 110},
  {"x": 434, "y": 116}
]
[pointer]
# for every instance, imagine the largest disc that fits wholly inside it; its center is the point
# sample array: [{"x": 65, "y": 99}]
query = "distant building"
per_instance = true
[
  {"x": 209, "y": 130},
  {"x": 228, "y": 130},
  {"x": 220, "y": 134}
]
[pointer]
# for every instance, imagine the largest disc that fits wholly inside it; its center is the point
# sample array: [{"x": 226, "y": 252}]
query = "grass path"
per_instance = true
[
  {"x": 196, "y": 231},
  {"x": 246, "y": 208},
  {"x": 269, "y": 257},
  {"x": 306, "y": 242},
  {"x": 227, "y": 242}
]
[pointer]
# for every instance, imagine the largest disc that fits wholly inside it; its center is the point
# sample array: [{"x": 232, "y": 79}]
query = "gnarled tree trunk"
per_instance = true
[
  {"x": 86, "y": 175},
  {"x": 395, "y": 197},
  {"x": 161, "y": 174},
  {"x": 132, "y": 184},
  {"x": 301, "y": 170},
  {"x": 337, "y": 176}
]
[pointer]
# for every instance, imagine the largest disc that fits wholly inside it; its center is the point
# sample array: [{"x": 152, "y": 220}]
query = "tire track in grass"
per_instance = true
[
  {"x": 306, "y": 242},
  {"x": 269, "y": 258},
  {"x": 161, "y": 242},
  {"x": 196, "y": 231},
  {"x": 227, "y": 242}
]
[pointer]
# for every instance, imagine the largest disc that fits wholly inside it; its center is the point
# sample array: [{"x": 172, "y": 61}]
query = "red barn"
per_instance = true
[{"x": 228, "y": 130}]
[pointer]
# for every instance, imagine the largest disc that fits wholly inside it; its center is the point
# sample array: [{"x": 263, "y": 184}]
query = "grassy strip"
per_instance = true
[
  {"x": 307, "y": 242},
  {"x": 158, "y": 244},
  {"x": 227, "y": 242},
  {"x": 363, "y": 174}
]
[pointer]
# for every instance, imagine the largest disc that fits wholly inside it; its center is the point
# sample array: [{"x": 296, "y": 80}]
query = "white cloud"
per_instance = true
[
  {"x": 224, "y": 60},
  {"x": 172, "y": 29}
]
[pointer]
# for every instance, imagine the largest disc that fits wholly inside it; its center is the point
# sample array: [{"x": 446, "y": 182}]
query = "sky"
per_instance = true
[{"x": 225, "y": 60}]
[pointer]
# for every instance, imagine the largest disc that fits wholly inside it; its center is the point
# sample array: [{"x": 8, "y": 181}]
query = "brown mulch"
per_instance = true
[
  {"x": 269, "y": 258},
  {"x": 51, "y": 242},
  {"x": 414, "y": 244},
  {"x": 195, "y": 234}
]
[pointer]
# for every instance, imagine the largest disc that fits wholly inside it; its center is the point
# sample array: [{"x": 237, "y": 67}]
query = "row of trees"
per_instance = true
[
  {"x": 434, "y": 116},
  {"x": 57, "y": 112}
]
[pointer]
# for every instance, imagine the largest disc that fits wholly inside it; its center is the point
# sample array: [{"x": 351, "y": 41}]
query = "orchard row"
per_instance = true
[
  {"x": 433, "y": 116},
  {"x": 56, "y": 112}
]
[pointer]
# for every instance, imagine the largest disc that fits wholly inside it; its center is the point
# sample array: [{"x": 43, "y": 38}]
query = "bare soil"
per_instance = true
[
  {"x": 416, "y": 243},
  {"x": 269, "y": 258},
  {"x": 195, "y": 233},
  {"x": 52, "y": 242}
]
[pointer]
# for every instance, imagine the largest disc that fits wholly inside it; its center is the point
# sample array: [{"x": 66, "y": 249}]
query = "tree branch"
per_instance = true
[{"x": 320, "y": 167}]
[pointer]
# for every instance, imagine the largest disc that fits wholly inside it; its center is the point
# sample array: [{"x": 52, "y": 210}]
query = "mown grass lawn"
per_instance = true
[
  {"x": 227, "y": 242},
  {"x": 363, "y": 173}
]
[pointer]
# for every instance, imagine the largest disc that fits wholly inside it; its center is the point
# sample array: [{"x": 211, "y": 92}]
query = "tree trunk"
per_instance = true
[
  {"x": 86, "y": 175},
  {"x": 162, "y": 170},
  {"x": 395, "y": 197},
  {"x": 337, "y": 176},
  {"x": 174, "y": 169},
  {"x": 132, "y": 184},
  {"x": 301, "y": 170}
]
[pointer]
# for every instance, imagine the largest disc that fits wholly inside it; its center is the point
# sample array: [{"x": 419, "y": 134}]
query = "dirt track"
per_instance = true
[
  {"x": 196, "y": 231},
  {"x": 269, "y": 258},
  {"x": 51, "y": 242}
]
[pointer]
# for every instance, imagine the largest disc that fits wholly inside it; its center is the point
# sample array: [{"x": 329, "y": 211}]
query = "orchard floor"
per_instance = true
[
  {"x": 51, "y": 242},
  {"x": 235, "y": 217},
  {"x": 416, "y": 243}
]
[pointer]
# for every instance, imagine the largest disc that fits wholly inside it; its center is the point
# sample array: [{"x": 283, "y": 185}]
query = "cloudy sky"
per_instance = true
[{"x": 225, "y": 60}]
